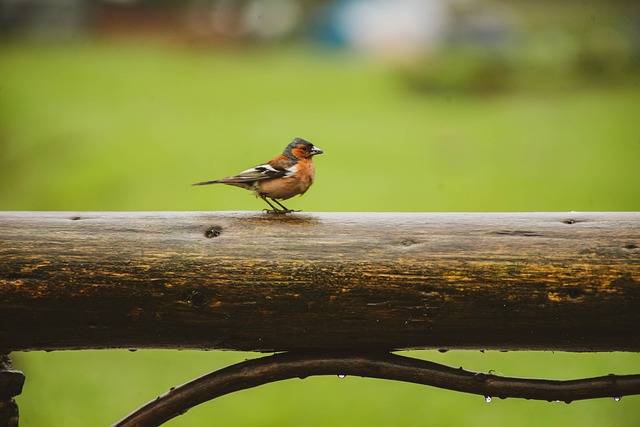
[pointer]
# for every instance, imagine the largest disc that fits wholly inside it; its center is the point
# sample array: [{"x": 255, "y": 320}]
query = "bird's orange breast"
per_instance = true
[
  {"x": 287, "y": 187},
  {"x": 306, "y": 172}
]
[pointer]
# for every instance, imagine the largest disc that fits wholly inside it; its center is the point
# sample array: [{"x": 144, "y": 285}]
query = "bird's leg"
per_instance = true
[
  {"x": 286, "y": 210},
  {"x": 273, "y": 208}
]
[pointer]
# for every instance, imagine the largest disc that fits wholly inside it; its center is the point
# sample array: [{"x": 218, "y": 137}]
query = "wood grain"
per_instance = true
[{"x": 320, "y": 281}]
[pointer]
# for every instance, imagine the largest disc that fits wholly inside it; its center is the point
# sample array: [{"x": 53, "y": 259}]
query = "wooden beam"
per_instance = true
[{"x": 320, "y": 281}]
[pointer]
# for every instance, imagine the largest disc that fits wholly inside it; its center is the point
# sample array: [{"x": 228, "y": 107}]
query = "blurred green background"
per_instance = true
[{"x": 126, "y": 109}]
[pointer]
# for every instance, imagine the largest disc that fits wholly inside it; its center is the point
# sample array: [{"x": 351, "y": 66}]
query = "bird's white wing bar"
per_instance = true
[
  {"x": 257, "y": 173},
  {"x": 290, "y": 171},
  {"x": 266, "y": 169}
]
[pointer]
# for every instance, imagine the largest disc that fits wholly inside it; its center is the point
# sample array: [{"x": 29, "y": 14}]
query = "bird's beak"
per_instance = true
[{"x": 315, "y": 150}]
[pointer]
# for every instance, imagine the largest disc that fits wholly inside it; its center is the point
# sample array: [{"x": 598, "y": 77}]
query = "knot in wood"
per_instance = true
[{"x": 213, "y": 231}]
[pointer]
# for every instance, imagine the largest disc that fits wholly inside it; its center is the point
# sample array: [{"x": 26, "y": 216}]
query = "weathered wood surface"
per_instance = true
[
  {"x": 11, "y": 382},
  {"x": 253, "y": 281}
]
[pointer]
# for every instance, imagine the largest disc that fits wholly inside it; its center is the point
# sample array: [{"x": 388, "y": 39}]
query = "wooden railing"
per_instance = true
[{"x": 346, "y": 284}]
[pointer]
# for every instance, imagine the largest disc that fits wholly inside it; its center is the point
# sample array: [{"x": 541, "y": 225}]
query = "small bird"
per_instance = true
[{"x": 281, "y": 178}]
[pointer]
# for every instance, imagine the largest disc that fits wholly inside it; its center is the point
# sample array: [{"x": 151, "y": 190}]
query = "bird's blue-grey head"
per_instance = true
[{"x": 301, "y": 149}]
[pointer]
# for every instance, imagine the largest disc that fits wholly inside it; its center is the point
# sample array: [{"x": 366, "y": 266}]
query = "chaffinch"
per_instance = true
[{"x": 283, "y": 177}]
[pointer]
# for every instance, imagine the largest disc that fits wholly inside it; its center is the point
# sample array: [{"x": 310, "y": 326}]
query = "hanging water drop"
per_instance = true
[
  {"x": 617, "y": 398},
  {"x": 487, "y": 399},
  {"x": 341, "y": 376}
]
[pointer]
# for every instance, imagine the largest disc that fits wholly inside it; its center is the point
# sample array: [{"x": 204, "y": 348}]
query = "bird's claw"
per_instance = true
[
  {"x": 273, "y": 211},
  {"x": 279, "y": 212}
]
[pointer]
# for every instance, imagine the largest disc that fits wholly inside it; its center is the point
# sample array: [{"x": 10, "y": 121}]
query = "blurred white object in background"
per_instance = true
[
  {"x": 254, "y": 20},
  {"x": 272, "y": 19},
  {"x": 395, "y": 29}
]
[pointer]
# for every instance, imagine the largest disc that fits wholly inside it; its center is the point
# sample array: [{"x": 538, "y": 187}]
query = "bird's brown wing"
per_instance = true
[
  {"x": 258, "y": 173},
  {"x": 277, "y": 167}
]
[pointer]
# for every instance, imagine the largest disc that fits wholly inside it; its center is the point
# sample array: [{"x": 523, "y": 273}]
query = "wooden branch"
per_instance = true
[
  {"x": 11, "y": 382},
  {"x": 252, "y": 281},
  {"x": 283, "y": 366}
]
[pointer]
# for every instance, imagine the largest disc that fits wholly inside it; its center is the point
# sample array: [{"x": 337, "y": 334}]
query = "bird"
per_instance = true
[{"x": 287, "y": 175}]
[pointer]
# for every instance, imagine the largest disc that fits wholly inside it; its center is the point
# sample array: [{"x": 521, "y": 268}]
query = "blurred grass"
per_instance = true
[
  {"x": 117, "y": 126},
  {"x": 126, "y": 127}
]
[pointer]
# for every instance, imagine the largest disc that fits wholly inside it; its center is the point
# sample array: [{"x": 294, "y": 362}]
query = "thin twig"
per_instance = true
[{"x": 388, "y": 366}]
